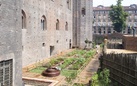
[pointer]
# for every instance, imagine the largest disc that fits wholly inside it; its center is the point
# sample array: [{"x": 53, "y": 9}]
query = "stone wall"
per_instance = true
[
  {"x": 39, "y": 44},
  {"x": 10, "y": 37},
  {"x": 82, "y": 22},
  {"x": 130, "y": 42}
]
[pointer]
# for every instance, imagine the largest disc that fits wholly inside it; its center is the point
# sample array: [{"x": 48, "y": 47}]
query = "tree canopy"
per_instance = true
[{"x": 118, "y": 16}]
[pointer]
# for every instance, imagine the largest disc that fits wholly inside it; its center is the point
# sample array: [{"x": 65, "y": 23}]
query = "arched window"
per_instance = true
[
  {"x": 57, "y": 25},
  {"x": 83, "y": 11},
  {"x": 69, "y": 4},
  {"x": 23, "y": 20},
  {"x": 66, "y": 26},
  {"x": 43, "y": 23}
]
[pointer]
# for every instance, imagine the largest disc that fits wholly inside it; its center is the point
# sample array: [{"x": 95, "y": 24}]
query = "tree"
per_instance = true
[{"x": 118, "y": 16}]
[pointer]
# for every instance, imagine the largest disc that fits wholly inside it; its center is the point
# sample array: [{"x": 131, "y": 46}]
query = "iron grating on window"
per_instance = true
[{"x": 6, "y": 73}]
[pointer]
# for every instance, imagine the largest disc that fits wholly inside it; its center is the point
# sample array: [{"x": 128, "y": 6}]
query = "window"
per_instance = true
[
  {"x": 109, "y": 30},
  {"x": 99, "y": 30},
  {"x": 6, "y": 73},
  {"x": 43, "y": 44},
  {"x": 43, "y": 23},
  {"x": 23, "y": 20},
  {"x": 66, "y": 26},
  {"x": 69, "y": 4},
  {"x": 57, "y": 25},
  {"x": 83, "y": 11}
]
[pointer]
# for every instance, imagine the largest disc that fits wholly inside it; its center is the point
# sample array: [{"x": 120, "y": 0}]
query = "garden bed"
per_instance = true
[
  {"x": 38, "y": 82},
  {"x": 70, "y": 64}
]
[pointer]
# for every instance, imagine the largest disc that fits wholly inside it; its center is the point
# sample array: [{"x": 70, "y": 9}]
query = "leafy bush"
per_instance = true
[{"x": 101, "y": 78}]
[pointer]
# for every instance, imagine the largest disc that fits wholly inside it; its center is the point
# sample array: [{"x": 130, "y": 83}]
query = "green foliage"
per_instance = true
[
  {"x": 95, "y": 81},
  {"x": 89, "y": 54},
  {"x": 67, "y": 62},
  {"x": 81, "y": 52},
  {"x": 72, "y": 53},
  {"x": 104, "y": 77},
  {"x": 53, "y": 61},
  {"x": 80, "y": 60},
  {"x": 38, "y": 70},
  {"x": 69, "y": 74},
  {"x": 118, "y": 16},
  {"x": 101, "y": 78}
]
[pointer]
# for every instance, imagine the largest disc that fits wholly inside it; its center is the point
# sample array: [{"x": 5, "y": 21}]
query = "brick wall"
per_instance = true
[{"x": 130, "y": 42}]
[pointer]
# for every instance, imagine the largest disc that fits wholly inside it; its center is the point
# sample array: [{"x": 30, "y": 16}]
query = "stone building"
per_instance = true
[
  {"x": 102, "y": 23},
  {"x": 46, "y": 28},
  {"x": 32, "y": 30},
  {"x": 82, "y": 22},
  {"x": 10, "y": 43}
]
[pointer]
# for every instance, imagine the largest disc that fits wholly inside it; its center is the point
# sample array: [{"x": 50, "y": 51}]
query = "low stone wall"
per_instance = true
[{"x": 130, "y": 42}]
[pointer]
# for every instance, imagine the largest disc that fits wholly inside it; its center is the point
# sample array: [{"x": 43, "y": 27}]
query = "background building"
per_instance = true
[
  {"x": 102, "y": 23},
  {"x": 82, "y": 22},
  {"x": 10, "y": 43}
]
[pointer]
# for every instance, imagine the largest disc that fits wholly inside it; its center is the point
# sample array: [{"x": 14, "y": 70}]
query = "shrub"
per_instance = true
[{"x": 101, "y": 78}]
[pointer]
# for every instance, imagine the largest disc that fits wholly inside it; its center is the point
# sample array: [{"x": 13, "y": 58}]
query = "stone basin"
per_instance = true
[{"x": 51, "y": 72}]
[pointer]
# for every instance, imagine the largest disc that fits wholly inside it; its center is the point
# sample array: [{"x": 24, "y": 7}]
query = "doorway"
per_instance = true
[{"x": 51, "y": 50}]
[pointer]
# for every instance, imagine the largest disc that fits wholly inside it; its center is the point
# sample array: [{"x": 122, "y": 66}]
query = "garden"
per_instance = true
[{"x": 70, "y": 64}]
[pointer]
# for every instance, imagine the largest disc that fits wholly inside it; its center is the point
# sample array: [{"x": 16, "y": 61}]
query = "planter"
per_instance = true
[{"x": 51, "y": 72}]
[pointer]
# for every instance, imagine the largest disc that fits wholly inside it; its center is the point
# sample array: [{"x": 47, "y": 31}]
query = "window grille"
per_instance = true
[{"x": 6, "y": 73}]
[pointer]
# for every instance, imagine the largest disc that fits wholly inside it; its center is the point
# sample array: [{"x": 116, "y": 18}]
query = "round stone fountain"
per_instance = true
[{"x": 51, "y": 72}]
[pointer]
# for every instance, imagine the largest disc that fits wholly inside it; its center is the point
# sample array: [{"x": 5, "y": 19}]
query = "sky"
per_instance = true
[{"x": 110, "y": 2}]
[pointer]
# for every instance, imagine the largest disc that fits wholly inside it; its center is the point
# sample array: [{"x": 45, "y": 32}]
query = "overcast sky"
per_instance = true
[{"x": 110, "y": 2}]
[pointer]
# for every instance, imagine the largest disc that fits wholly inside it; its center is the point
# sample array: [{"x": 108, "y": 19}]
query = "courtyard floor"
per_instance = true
[{"x": 83, "y": 77}]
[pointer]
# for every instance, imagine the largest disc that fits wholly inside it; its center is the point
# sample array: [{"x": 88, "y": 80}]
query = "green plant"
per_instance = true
[
  {"x": 38, "y": 70},
  {"x": 69, "y": 74},
  {"x": 95, "y": 81},
  {"x": 101, "y": 78},
  {"x": 80, "y": 60},
  {"x": 53, "y": 61},
  {"x": 72, "y": 53},
  {"x": 67, "y": 62},
  {"x": 104, "y": 77},
  {"x": 89, "y": 54}
]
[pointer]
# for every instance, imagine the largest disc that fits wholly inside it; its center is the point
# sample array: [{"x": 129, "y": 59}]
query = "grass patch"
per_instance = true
[
  {"x": 68, "y": 73},
  {"x": 39, "y": 69}
]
